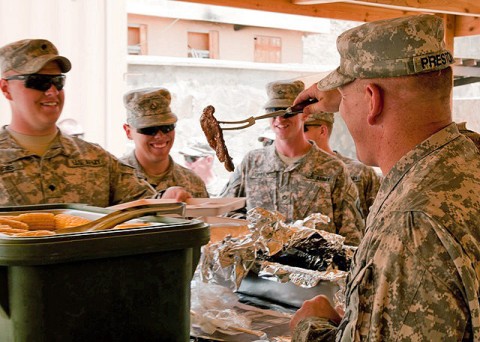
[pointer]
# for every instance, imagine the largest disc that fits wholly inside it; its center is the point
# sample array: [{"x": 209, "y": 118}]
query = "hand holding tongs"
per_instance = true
[{"x": 286, "y": 113}]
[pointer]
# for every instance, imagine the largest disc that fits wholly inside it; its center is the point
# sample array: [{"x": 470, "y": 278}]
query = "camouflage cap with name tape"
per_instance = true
[
  {"x": 149, "y": 107},
  {"x": 390, "y": 48},
  {"x": 28, "y": 56}
]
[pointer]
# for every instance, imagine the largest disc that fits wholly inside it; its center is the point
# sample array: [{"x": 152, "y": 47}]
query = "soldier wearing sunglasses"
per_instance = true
[
  {"x": 151, "y": 126},
  {"x": 39, "y": 164},
  {"x": 293, "y": 176}
]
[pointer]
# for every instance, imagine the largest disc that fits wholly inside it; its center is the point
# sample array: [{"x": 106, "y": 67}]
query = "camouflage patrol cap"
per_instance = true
[
  {"x": 282, "y": 93},
  {"x": 390, "y": 48},
  {"x": 319, "y": 118},
  {"x": 28, "y": 56},
  {"x": 149, "y": 107}
]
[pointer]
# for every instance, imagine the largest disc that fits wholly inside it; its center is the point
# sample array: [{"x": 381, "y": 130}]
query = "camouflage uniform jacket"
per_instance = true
[
  {"x": 71, "y": 171},
  {"x": 366, "y": 180},
  {"x": 317, "y": 183},
  {"x": 176, "y": 175},
  {"x": 415, "y": 275}
]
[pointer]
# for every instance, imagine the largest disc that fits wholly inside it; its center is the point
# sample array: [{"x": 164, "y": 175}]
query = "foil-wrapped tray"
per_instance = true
[{"x": 285, "y": 263}]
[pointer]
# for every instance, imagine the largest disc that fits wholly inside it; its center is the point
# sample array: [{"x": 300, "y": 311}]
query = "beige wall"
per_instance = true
[
  {"x": 168, "y": 37},
  {"x": 92, "y": 34}
]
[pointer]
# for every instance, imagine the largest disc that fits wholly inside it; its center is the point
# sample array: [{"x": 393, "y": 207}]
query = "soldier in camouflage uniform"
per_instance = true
[
  {"x": 38, "y": 163},
  {"x": 151, "y": 125},
  {"x": 294, "y": 177},
  {"x": 415, "y": 275},
  {"x": 318, "y": 127}
]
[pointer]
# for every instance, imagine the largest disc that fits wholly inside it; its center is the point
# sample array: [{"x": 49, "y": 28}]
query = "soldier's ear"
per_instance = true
[
  {"x": 127, "y": 130},
  {"x": 374, "y": 94},
  {"x": 5, "y": 89}
]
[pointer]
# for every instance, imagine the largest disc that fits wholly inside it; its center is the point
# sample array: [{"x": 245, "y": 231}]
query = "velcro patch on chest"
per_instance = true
[{"x": 86, "y": 163}]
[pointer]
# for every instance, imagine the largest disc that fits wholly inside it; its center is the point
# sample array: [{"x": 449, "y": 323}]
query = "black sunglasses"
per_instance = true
[
  {"x": 285, "y": 116},
  {"x": 40, "y": 82},
  {"x": 154, "y": 129},
  {"x": 191, "y": 159}
]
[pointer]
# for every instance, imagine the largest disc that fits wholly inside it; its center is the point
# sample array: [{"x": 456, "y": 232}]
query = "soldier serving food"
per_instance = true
[{"x": 415, "y": 275}]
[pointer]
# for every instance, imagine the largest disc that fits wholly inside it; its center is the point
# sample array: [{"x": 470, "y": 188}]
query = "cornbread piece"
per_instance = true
[
  {"x": 13, "y": 223},
  {"x": 38, "y": 221},
  {"x": 7, "y": 230}
]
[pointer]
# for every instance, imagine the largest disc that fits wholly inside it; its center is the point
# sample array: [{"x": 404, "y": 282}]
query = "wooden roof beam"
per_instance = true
[
  {"x": 459, "y": 25},
  {"x": 457, "y": 7},
  {"x": 340, "y": 11}
]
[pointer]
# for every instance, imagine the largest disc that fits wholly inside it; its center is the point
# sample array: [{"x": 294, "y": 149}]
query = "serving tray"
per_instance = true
[{"x": 196, "y": 207}]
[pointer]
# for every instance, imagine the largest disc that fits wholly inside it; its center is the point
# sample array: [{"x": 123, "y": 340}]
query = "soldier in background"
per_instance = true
[
  {"x": 318, "y": 127},
  {"x": 416, "y": 274},
  {"x": 199, "y": 157},
  {"x": 151, "y": 126},
  {"x": 39, "y": 164},
  {"x": 293, "y": 176},
  {"x": 267, "y": 137},
  {"x": 71, "y": 127},
  {"x": 472, "y": 135}
]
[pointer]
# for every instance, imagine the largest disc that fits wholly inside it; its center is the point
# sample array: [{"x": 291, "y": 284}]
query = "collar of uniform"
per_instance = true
[
  {"x": 65, "y": 144},
  {"x": 398, "y": 171}
]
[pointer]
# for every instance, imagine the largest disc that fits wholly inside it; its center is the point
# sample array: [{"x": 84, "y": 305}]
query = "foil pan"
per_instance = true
[{"x": 237, "y": 262}]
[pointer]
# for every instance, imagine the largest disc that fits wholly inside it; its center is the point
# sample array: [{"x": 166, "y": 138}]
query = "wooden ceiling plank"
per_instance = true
[
  {"x": 467, "y": 26},
  {"x": 458, "y": 7},
  {"x": 337, "y": 10},
  {"x": 464, "y": 25}
]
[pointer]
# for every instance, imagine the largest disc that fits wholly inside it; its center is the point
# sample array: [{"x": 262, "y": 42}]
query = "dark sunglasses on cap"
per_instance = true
[
  {"x": 41, "y": 82},
  {"x": 191, "y": 159},
  {"x": 155, "y": 129}
]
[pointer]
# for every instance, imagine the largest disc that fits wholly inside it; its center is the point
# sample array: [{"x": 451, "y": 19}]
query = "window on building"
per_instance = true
[
  {"x": 137, "y": 39},
  {"x": 268, "y": 49},
  {"x": 203, "y": 45}
]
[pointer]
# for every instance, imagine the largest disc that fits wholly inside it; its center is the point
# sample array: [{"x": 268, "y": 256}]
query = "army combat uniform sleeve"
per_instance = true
[
  {"x": 125, "y": 186},
  {"x": 178, "y": 175},
  {"x": 347, "y": 214},
  {"x": 235, "y": 186},
  {"x": 400, "y": 283}
]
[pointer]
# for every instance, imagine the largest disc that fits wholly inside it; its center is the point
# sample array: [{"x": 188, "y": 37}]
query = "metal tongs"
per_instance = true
[
  {"x": 119, "y": 216},
  {"x": 286, "y": 113}
]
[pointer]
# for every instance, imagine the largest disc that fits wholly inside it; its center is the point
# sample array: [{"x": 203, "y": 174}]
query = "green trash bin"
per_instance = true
[{"x": 112, "y": 285}]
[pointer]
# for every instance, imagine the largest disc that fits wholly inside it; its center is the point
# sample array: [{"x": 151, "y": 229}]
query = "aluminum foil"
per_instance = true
[{"x": 227, "y": 262}]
